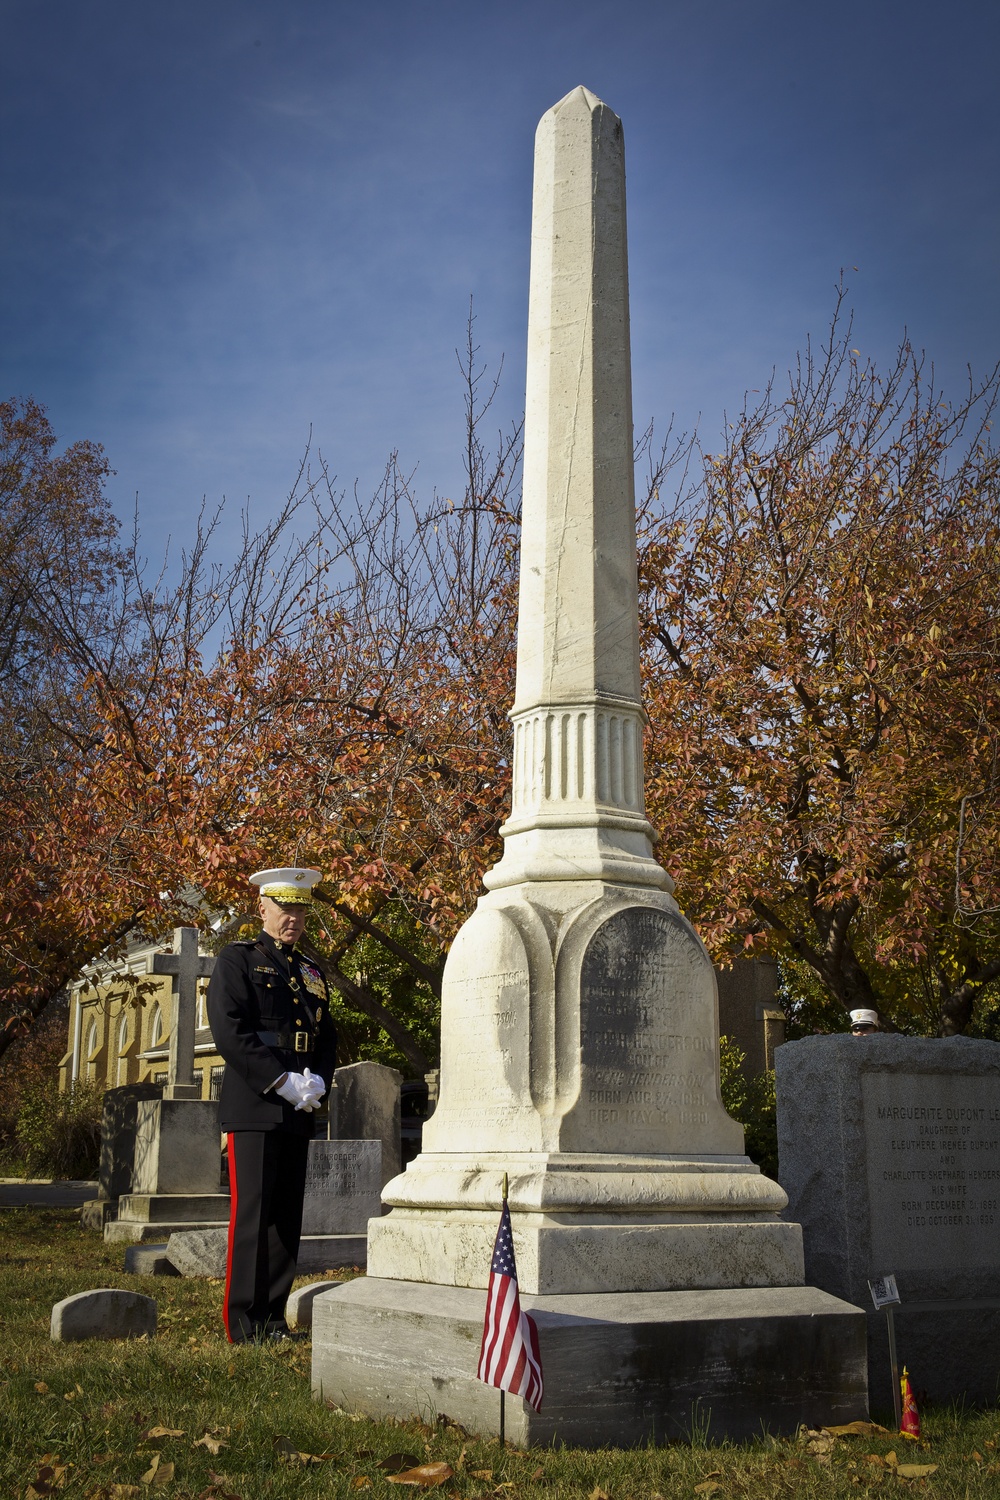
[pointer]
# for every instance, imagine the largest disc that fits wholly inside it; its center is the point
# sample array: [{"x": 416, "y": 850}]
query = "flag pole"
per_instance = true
[{"x": 503, "y": 1393}]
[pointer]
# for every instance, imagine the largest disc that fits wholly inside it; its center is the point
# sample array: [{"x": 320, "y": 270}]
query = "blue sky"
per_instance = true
[{"x": 227, "y": 221}]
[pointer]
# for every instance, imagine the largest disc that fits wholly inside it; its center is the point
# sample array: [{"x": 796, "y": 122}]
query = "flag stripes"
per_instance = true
[{"x": 509, "y": 1357}]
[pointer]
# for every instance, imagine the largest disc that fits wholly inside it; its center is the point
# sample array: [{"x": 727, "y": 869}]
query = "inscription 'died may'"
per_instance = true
[{"x": 933, "y": 1146}]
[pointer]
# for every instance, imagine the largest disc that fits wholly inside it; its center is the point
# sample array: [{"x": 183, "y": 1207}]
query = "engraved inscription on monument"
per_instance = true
[
  {"x": 647, "y": 1022},
  {"x": 343, "y": 1183},
  {"x": 933, "y": 1169}
]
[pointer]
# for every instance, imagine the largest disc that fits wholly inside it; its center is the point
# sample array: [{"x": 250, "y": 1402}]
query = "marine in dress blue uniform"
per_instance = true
[{"x": 269, "y": 1012}]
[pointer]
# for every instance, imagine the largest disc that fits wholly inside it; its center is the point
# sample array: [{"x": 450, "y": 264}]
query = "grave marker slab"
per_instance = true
[
  {"x": 343, "y": 1184},
  {"x": 367, "y": 1109},
  {"x": 890, "y": 1155}
]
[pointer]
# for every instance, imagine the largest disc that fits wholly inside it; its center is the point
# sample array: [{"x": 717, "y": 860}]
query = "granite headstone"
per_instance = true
[
  {"x": 343, "y": 1184},
  {"x": 367, "y": 1109},
  {"x": 889, "y": 1151}
]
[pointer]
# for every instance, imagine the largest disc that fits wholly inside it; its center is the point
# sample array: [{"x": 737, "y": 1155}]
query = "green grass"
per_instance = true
[{"x": 87, "y": 1410}]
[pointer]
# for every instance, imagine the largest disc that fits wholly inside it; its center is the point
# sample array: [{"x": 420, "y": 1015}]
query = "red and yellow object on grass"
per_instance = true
[{"x": 910, "y": 1424}]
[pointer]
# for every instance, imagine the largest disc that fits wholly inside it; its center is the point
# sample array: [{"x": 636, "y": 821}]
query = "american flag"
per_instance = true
[{"x": 509, "y": 1357}]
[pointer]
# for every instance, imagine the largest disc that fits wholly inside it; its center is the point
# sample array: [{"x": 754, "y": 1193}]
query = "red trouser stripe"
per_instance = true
[{"x": 233, "y": 1204}]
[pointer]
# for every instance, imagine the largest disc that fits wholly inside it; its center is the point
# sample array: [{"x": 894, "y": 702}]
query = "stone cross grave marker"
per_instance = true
[{"x": 186, "y": 966}]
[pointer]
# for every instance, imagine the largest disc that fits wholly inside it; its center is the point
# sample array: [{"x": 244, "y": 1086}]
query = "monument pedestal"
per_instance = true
[
  {"x": 176, "y": 1175},
  {"x": 588, "y": 1222},
  {"x": 621, "y": 1369}
]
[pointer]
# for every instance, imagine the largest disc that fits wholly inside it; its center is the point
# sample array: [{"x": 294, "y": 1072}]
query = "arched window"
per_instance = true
[
  {"x": 121, "y": 1075},
  {"x": 90, "y": 1048},
  {"x": 156, "y": 1030}
]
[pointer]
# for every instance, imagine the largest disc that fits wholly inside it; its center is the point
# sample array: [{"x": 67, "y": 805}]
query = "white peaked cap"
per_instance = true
[
  {"x": 293, "y": 883},
  {"x": 864, "y": 1017}
]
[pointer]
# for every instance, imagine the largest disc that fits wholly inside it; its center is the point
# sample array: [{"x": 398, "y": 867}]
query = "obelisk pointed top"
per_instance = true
[
  {"x": 577, "y": 807},
  {"x": 579, "y": 95}
]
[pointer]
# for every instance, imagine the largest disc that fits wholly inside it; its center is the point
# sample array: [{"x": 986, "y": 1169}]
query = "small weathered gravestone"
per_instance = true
[
  {"x": 104, "y": 1313},
  {"x": 199, "y": 1252},
  {"x": 889, "y": 1151},
  {"x": 299, "y": 1307},
  {"x": 367, "y": 1097},
  {"x": 148, "y": 1260}
]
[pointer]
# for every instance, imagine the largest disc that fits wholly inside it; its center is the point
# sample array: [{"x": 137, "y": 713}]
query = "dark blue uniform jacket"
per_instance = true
[{"x": 250, "y": 994}]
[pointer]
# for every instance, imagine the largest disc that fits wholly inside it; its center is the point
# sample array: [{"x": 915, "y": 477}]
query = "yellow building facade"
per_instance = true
[{"x": 113, "y": 1040}]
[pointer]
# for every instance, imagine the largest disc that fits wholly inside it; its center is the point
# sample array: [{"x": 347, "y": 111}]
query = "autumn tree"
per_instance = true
[
  {"x": 335, "y": 695},
  {"x": 820, "y": 613}
]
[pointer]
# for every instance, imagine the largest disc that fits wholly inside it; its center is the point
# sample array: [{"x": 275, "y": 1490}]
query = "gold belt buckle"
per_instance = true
[{"x": 302, "y": 1041}]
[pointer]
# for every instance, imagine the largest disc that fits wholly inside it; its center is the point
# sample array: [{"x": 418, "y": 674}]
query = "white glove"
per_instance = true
[
  {"x": 315, "y": 1088},
  {"x": 297, "y": 1090}
]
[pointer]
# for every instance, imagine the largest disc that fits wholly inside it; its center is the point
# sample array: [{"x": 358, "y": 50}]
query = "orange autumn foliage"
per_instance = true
[{"x": 823, "y": 681}]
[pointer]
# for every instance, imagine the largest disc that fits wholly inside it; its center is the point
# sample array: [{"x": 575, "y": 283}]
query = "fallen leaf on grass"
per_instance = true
[
  {"x": 855, "y": 1429},
  {"x": 915, "y": 1471},
  {"x": 598, "y": 1494},
  {"x": 218, "y": 1491},
  {"x": 482, "y": 1473},
  {"x": 361, "y": 1482},
  {"x": 41, "y": 1388},
  {"x": 213, "y": 1444},
  {"x": 157, "y": 1434},
  {"x": 426, "y": 1476},
  {"x": 289, "y": 1454},
  {"x": 397, "y": 1462},
  {"x": 707, "y": 1487},
  {"x": 819, "y": 1445},
  {"x": 48, "y": 1479},
  {"x": 158, "y": 1473},
  {"x": 538, "y": 1474}
]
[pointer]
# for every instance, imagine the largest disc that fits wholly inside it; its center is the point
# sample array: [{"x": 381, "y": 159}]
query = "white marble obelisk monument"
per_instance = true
[{"x": 579, "y": 1027}]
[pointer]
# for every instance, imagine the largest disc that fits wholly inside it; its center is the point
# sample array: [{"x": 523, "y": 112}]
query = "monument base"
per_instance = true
[
  {"x": 146, "y": 1217},
  {"x": 621, "y": 1369}
]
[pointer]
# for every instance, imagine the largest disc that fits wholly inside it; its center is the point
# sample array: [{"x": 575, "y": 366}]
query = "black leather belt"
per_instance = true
[{"x": 287, "y": 1041}]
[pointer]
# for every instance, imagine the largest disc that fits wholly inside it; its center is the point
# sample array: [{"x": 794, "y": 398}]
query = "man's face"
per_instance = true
[
  {"x": 863, "y": 1028},
  {"x": 285, "y": 921}
]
